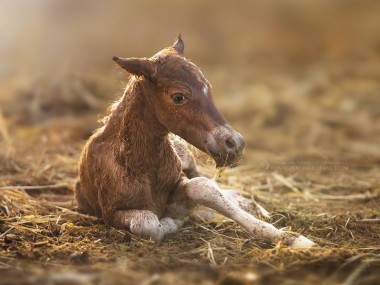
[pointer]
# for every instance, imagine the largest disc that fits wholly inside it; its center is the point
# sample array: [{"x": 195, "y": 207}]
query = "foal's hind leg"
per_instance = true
[{"x": 146, "y": 224}]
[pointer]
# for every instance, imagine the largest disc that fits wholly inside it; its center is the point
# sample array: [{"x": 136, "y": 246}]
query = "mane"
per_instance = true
[{"x": 129, "y": 89}]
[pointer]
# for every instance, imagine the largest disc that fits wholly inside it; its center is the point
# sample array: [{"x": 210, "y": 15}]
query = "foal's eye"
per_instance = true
[{"x": 178, "y": 98}]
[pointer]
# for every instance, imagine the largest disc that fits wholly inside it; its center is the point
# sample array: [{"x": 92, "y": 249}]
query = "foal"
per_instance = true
[{"x": 131, "y": 174}]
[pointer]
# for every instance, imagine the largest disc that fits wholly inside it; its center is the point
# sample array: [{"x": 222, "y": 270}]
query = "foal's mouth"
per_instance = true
[{"x": 228, "y": 159}]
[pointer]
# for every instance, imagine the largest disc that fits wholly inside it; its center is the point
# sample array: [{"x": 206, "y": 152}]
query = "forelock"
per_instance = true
[{"x": 175, "y": 63}]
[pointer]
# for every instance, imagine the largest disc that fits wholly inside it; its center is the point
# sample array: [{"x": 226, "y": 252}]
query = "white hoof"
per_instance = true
[{"x": 302, "y": 242}]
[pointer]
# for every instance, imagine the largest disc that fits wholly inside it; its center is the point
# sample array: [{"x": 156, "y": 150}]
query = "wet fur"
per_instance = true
[
  {"x": 127, "y": 165},
  {"x": 131, "y": 174}
]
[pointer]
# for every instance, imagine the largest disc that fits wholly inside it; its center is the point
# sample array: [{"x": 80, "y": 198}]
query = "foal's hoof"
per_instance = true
[
  {"x": 296, "y": 240},
  {"x": 171, "y": 225},
  {"x": 302, "y": 242}
]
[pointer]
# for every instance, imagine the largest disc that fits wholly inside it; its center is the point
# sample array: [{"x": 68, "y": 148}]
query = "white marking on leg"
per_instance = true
[
  {"x": 171, "y": 225},
  {"x": 207, "y": 193},
  {"x": 247, "y": 205},
  {"x": 146, "y": 224}
]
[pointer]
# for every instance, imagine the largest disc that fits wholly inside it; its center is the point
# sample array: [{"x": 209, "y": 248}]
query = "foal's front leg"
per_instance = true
[
  {"x": 205, "y": 192},
  {"x": 247, "y": 205}
]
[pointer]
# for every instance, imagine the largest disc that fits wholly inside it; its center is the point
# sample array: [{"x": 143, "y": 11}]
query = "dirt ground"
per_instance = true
[
  {"x": 315, "y": 170},
  {"x": 308, "y": 107}
]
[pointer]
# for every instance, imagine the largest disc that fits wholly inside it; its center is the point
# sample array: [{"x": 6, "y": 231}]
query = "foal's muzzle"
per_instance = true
[{"x": 225, "y": 146}]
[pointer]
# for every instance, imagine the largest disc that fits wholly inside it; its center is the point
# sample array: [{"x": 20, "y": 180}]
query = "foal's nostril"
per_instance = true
[{"x": 231, "y": 143}]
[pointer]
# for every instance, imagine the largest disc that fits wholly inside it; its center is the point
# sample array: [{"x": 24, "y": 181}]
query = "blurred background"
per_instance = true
[{"x": 295, "y": 77}]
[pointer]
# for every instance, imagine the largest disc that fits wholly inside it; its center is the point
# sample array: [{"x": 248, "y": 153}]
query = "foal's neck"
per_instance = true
[{"x": 141, "y": 135}]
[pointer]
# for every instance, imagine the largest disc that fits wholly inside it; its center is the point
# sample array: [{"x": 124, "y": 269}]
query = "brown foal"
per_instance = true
[{"x": 133, "y": 176}]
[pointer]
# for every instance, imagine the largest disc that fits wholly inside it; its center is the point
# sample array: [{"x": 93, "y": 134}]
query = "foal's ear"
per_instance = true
[
  {"x": 137, "y": 66},
  {"x": 179, "y": 45}
]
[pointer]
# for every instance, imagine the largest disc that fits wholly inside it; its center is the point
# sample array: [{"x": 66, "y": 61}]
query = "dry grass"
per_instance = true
[{"x": 43, "y": 240}]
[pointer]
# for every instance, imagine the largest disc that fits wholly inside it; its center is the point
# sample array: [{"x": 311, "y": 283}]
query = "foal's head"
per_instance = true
[{"x": 181, "y": 99}]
